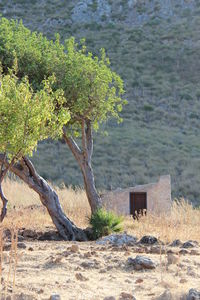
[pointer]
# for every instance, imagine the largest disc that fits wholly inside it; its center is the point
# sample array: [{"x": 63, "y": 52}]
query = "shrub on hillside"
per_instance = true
[{"x": 104, "y": 223}]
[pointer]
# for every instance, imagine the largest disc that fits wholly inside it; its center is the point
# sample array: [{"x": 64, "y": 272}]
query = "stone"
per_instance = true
[
  {"x": 176, "y": 243},
  {"x": 190, "y": 244},
  {"x": 194, "y": 252},
  {"x": 156, "y": 250},
  {"x": 23, "y": 296},
  {"x": 183, "y": 280},
  {"x": 28, "y": 233},
  {"x": 109, "y": 298},
  {"x": 148, "y": 239},
  {"x": 172, "y": 258},
  {"x": 184, "y": 251},
  {"x": 165, "y": 296},
  {"x": 21, "y": 245},
  {"x": 193, "y": 295},
  {"x": 88, "y": 265},
  {"x": 126, "y": 296},
  {"x": 55, "y": 297},
  {"x": 50, "y": 236},
  {"x": 141, "y": 262},
  {"x": 74, "y": 248},
  {"x": 80, "y": 277},
  {"x": 118, "y": 240},
  {"x": 139, "y": 280}
]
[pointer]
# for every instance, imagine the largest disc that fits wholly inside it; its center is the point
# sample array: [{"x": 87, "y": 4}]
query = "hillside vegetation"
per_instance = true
[{"x": 155, "y": 47}]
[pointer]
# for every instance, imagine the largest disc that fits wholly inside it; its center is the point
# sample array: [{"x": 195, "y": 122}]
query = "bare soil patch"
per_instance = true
[{"x": 89, "y": 271}]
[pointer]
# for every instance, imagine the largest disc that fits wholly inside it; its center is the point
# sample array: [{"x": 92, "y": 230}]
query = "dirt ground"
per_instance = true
[{"x": 88, "y": 271}]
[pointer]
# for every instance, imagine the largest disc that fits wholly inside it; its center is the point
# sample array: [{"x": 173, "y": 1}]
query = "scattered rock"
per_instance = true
[
  {"x": 80, "y": 277},
  {"x": 194, "y": 252},
  {"x": 50, "y": 236},
  {"x": 193, "y": 295},
  {"x": 148, "y": 239},
  {"x": 183, "y": 280},
  {"x": 21, "y": 296},
  {"x": 41, "y": 291},
  {"x": 165, "y": 296},
  {"x": 21, "y": 245},
  {"x": 155, "y": 250},
  {"x": 109, "y": 298},
  {"x": 30, "y": 249},
  {"x": 172, "y": 258},
  {"x": 126, "y": 296},
  {"x": 7, "y": 246},
  {"x": 28, "y": 233},
  {"x": 102, "y": 271},
  {"x": 88, "y": 265},
  {"x": 118, "y": 240},
  {"x": 191, "y": 272},
  {"x": 184, "y": 251},
  {"x": 139, "y": 280},
  {"x": 55, "y": 297},
  {"x": 176, "y": 243},
  {"x": 141, "y": 262},
  {"x": 20, "y": 238},
  {"x": 87, "y": 255},
  {"x": 74, "y": 248},
  {"x": 190, "y": 244}
]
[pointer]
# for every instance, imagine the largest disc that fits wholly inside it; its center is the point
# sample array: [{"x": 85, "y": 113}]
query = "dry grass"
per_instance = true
[
  {"x": 8, "y": 261},
  {"x": 25, "y": 210},
  {"x": 183, "y": 222}
]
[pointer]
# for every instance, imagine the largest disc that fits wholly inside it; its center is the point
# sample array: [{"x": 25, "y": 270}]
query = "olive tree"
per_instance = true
[
  {"x": 92, "y": 91},
  {"x": 26, "y": 118}
]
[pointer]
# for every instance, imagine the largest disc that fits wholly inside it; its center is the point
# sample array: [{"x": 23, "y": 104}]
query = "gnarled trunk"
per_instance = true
[{"x": 49, "y": 198}]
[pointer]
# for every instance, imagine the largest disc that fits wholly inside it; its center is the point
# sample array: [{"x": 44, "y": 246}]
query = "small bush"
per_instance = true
[{"x": 104, "y": 223}]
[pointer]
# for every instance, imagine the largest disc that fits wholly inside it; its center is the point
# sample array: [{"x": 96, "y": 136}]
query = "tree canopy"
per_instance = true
[
  {"x": 91, "y": 89},
  {"x": 27, "y": 116}
]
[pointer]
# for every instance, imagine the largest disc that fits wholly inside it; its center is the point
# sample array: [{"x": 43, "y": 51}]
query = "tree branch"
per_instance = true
[
  {"x": 73, "y": 147},
  {"x": 84, "y": 141},
  {"x": 89, "y": 139}
]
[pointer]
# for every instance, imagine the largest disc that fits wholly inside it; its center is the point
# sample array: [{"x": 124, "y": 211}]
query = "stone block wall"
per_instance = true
[{"x": 158, "y": 197}]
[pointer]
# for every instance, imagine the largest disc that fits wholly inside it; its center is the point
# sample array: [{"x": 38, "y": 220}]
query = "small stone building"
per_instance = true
[{"x": 154, "y": 197}]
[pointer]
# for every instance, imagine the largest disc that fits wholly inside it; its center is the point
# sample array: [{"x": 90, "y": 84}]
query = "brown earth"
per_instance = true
[{"x": 88, "y": 271}]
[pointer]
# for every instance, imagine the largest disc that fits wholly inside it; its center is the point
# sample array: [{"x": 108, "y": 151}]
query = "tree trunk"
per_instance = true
[
  {"x": 26, "y": 171},
  {"x": 84, "y": 159},
  {"x": 91, "y": 192}
]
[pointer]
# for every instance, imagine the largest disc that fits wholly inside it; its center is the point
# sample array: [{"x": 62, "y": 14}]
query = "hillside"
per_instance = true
[{"x": 155, "y": 46}]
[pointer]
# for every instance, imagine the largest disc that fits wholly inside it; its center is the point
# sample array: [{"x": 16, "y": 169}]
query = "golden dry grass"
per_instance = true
[
  {"x": 183, "y": 222},
  {"x": 25, "y": 210}
]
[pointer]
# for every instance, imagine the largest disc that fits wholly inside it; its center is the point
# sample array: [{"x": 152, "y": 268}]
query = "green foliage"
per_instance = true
[
  {"x": 93, "y": 91},
  {"x": 104, "y": 223},
  {"x": 37, "y": 57},
  {"x": 28, "y": 117}
]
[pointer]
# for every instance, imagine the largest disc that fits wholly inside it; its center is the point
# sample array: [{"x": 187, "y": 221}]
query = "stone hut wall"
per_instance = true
[{"x": 158, "y": 197}]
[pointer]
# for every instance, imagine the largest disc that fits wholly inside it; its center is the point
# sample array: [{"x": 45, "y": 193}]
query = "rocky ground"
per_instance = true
[{"x": 118, "y": 267}]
